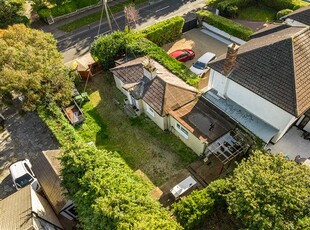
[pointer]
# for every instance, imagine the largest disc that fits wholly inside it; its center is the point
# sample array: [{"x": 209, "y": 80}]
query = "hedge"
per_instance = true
[
  {"x": 283, "y": 4},
  {"x": 229, "y": 26},
  {"x": 282, "y": 13},
  {"x": 106, "y": 192},
  {"x": 137, "y": 45},
  {"x": 165, "y": 31},
  {"x": 192, "y": 210}
]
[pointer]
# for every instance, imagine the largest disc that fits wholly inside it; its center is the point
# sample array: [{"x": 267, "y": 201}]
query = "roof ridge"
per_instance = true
[
  {"x": 294, "y": 70},
  {"x": 301, "y": 31}
]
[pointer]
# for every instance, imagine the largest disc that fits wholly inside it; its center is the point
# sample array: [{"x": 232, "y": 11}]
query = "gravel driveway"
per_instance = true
[{"x": 24, "y": 137}]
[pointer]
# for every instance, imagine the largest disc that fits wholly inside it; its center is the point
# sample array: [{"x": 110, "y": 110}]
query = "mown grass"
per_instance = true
[
  {"x": 141, "y": 143},
  {"x": 258, "y": 13},
  {"x": 95, "y": 17}
]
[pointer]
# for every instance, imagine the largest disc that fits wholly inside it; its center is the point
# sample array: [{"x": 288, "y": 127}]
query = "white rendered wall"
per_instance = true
[
  {"x": 192, "y": 141},
  {"x": 159, "y": 120},
  {"x": 255, "y": 104}
]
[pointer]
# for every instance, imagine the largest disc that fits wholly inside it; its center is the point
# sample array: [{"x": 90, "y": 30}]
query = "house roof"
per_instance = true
[
  {"x": 21, "y": 209},
  {"x": 47, "y": 169},
  {"x": 164, "y": 93},
  {"x": 129, "y": 72},
  {"x": 301, "y": 15},
  {"x": 275, "y": 65},
  {"x": 197, "y": 117},
  {"x": 15, "y": 210}
]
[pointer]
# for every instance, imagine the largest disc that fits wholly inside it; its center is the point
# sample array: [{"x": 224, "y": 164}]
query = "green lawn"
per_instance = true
[
  {"x": 258, "y": 13},
  {"x": 95, "y": 17},
  {"x": 140, "y": 142}
]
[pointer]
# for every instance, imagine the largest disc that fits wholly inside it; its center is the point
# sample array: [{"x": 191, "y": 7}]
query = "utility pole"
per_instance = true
[
  {"x": 107, "y": 13},
  {"x": 104, "y": 4}
]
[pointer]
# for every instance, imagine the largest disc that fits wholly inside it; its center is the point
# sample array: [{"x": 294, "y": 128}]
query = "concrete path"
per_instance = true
[{"x": 252, "y": 24}]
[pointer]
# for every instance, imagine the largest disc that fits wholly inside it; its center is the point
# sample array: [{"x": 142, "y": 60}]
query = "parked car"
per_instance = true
[
  {"x": 22, "y": 175},
  {"x": 302, "y": 160},
  {"x": 200, "y": 66},
  {"x": 183, "y": 55}
]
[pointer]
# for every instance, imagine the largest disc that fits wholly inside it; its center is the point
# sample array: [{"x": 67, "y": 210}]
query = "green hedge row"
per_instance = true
[
  {"x": 107, "y": 48},
  {"x": 282, "y": 13},
  {"x": 229, "y": 26},
  {"x": 106, "y": 192},
  {"x": 165, "y": 31},
  {"x": 283, "y": 4}
]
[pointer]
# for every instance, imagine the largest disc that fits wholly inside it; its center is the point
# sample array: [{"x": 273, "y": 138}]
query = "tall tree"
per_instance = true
[
  {"x": 270, "y": 192},
  {"x": 31, "y": 66},
  {"x": 12, "y": 12},
  {"x": 265, "y": 192}
]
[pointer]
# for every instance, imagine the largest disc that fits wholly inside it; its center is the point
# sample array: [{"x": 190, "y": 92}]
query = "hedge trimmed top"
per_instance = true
[{"x": 229, "y": 26}]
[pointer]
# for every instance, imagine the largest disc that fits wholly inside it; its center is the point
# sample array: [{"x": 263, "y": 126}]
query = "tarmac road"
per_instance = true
[{"x": 77, "y": 43}]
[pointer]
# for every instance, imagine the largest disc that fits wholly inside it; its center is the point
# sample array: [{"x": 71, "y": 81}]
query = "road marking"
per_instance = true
[
  {"x": 104, "y": 33},
  {"x": 162, "y": 9}
]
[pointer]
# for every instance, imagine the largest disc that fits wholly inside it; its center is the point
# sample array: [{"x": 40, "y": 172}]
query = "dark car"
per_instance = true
[{"x": 183, "y": 55}]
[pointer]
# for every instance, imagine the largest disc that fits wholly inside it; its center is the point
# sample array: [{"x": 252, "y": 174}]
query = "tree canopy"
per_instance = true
[
  {"x": 31, "y": 66},
  {"x": 265, "y": 192},
  {"x": 12, "y": 12}
]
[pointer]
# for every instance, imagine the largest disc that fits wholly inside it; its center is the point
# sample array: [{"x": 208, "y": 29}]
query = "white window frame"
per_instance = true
[
  {"x": 181, "y": 130},
  {"x": 150, "y": 110}
]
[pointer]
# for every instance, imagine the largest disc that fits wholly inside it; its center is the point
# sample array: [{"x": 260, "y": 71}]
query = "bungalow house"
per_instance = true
[
  {"x": 26, "y": 209},
  {"x": 264, "y": 84},
  {"x": 151, "y": 89},
  {"x": 175, "y": 106},
  {"x": 300, "y": 17}
]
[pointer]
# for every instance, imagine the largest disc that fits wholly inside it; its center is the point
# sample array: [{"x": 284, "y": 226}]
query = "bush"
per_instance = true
[
  {"x": 166, "y": 31},
  {"x": 192, "y": 210},
  {"x": 44, "y": 13},
  {"x": 282, "y": 13},
  {"x": 106, "y": 192},
  {"x": 107, "y": 48},
  {"x": 230, "y": 27}
]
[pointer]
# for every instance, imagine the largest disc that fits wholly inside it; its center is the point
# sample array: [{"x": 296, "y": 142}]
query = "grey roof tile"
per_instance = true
[{"x": 275, "y": 66}]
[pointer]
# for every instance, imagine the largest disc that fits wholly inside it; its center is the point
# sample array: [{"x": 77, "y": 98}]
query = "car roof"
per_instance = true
[
  {"x": 17, "y": 169},
  {"x": 206, "y": 57},
  {"x": 176, "y": 53}
]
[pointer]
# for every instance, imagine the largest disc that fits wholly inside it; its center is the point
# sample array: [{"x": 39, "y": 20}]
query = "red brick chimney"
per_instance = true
[{"x": 230, "y": 60}]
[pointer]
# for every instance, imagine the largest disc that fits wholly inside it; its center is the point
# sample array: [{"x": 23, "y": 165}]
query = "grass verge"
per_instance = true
[
  {"x": 95, "y": 17},
  {"x": 258, "y": 13}
]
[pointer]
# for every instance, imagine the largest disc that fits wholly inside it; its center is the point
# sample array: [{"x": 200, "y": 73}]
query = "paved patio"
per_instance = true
[{"x": 292, "y": 144}]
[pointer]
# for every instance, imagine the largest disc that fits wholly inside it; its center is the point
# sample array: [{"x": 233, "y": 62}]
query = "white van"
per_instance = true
[
  {"x": 200, "y": 66},
  {"x": 22, "y": 175}
]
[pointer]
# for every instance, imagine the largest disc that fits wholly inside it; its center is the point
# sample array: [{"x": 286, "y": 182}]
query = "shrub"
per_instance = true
[
  {"x": 44, "y": 13},
  {"x": 166, "y": 31},
  {"x": 282, "y": 13},
  {"x": 225, "y": 24},
  {"x": 107, "y": 48},
  {"x": 192, "y": 210}
]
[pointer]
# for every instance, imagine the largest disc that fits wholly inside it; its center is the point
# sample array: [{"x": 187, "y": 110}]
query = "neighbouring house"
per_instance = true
[
  {"x": 300, "y": 17},
  {"x": 47, "y": 169},
  {"x": 26, "y": 209},
  {"x": 151, "y": 89},
  {"x": 264, "y": 84}
]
